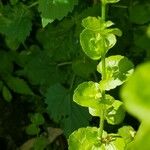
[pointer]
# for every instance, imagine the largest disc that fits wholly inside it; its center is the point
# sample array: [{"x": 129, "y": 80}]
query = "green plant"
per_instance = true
[
  {"x": 136, "y": 96},
  {"x": 96, "y": 40}
]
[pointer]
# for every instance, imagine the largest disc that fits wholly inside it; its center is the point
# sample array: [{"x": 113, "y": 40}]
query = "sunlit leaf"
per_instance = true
[
  {"x": 93, "y": 23},
  {"x": 115, "y": 113},
  {"x": 127, "y": 133},
  {"x": 87, "y": 94},
  {"x": 83, "y": 139},
  {"x": 118, "y": 69},
  {"x": 91, "y": 43},
  {"x": 87, "y": 139},
  {"x": 107, "y": 102}
]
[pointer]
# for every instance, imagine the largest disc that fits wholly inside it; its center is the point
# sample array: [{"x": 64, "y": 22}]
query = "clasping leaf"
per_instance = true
[
  {"x": 96, "y": 39},
  {"x": 87, "y": 94},
  {"x": 118, "y": 69}
]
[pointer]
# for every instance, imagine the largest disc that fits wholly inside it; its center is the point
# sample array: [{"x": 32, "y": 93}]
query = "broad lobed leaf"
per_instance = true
[
  {"x": 55, "y": 9},
  {"x": 61, "y": 109},
  {"x": 15, "y": 24}
]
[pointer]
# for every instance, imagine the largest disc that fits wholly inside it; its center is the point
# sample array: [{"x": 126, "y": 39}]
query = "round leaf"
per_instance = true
[
  {"x": 127, "y": 133},
  {"x": 136, "y": 93},
  {"x": 115, "y": 113},
  {"x": 91, "y": 43},
  {"x": 32, "y": 129},
  {"x": 83, "y": 139},
  {"x": 87, "y": 94},
  {"x": 37, "y": 119},
  {"x": 118, "y": 69},
  {"x": 97, "y": 111},
  {"x": 93, "y": 23}
]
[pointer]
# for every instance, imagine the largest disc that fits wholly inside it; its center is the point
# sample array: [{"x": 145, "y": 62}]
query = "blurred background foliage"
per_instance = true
[{"x": 40, "y": 67}]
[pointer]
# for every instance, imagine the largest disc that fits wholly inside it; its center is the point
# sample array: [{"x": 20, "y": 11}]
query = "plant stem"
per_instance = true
[
  {"x": 33, "y": 4},
  {"x": 103, "y": 11},
  {"x": 102, "y": 115}
]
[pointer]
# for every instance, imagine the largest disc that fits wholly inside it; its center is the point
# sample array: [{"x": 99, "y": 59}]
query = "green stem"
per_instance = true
[
  {"x": 33, "y": 4},
  {"x": 102, "y": 115},
  {"x": 103, "y": 11}
]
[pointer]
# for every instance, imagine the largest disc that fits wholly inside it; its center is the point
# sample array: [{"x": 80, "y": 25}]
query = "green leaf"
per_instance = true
[
  {"x": 15, "y": 24},
  {"x": 118, "y": 144},
  {"x": 96, "y": 39},
  {"x": 97, "y": 111},
  {"x": 87, "y": 94},
  {"x": 93, "y": 23},
  {"x": 136, "y": 93},
  {"x": 46, "y": 21},
  {"x": 6, "y": 94},
  {"x": 139, "y": 14},
  {"x": 142, "y": 139},
  {"x": 84, "y": 68},
  {"x": 87, "y": 139},
  {"x": 91, "y": 44},
  {"x": 39, "y": 69},
  {"x": 118, "y": 69},
  {"x": 115, "y": 113},
  {"x": 127, "y": 133},
  {"x": 14, "y": 2},
  {"x": 32, "y": 129},
  {"x": 6, "y": 64},
  {"x": 114, "y": 31},
  {"x": 83, "y": 139},
  {"x": 110, "y": 1},
  {"x": 18, "y": 85},
  {"x": 56, "y": 9},
  {"x": 62, "y": 109},
  {"x": 37, "y": 119},
  {"x": 40, "y": 143}
]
